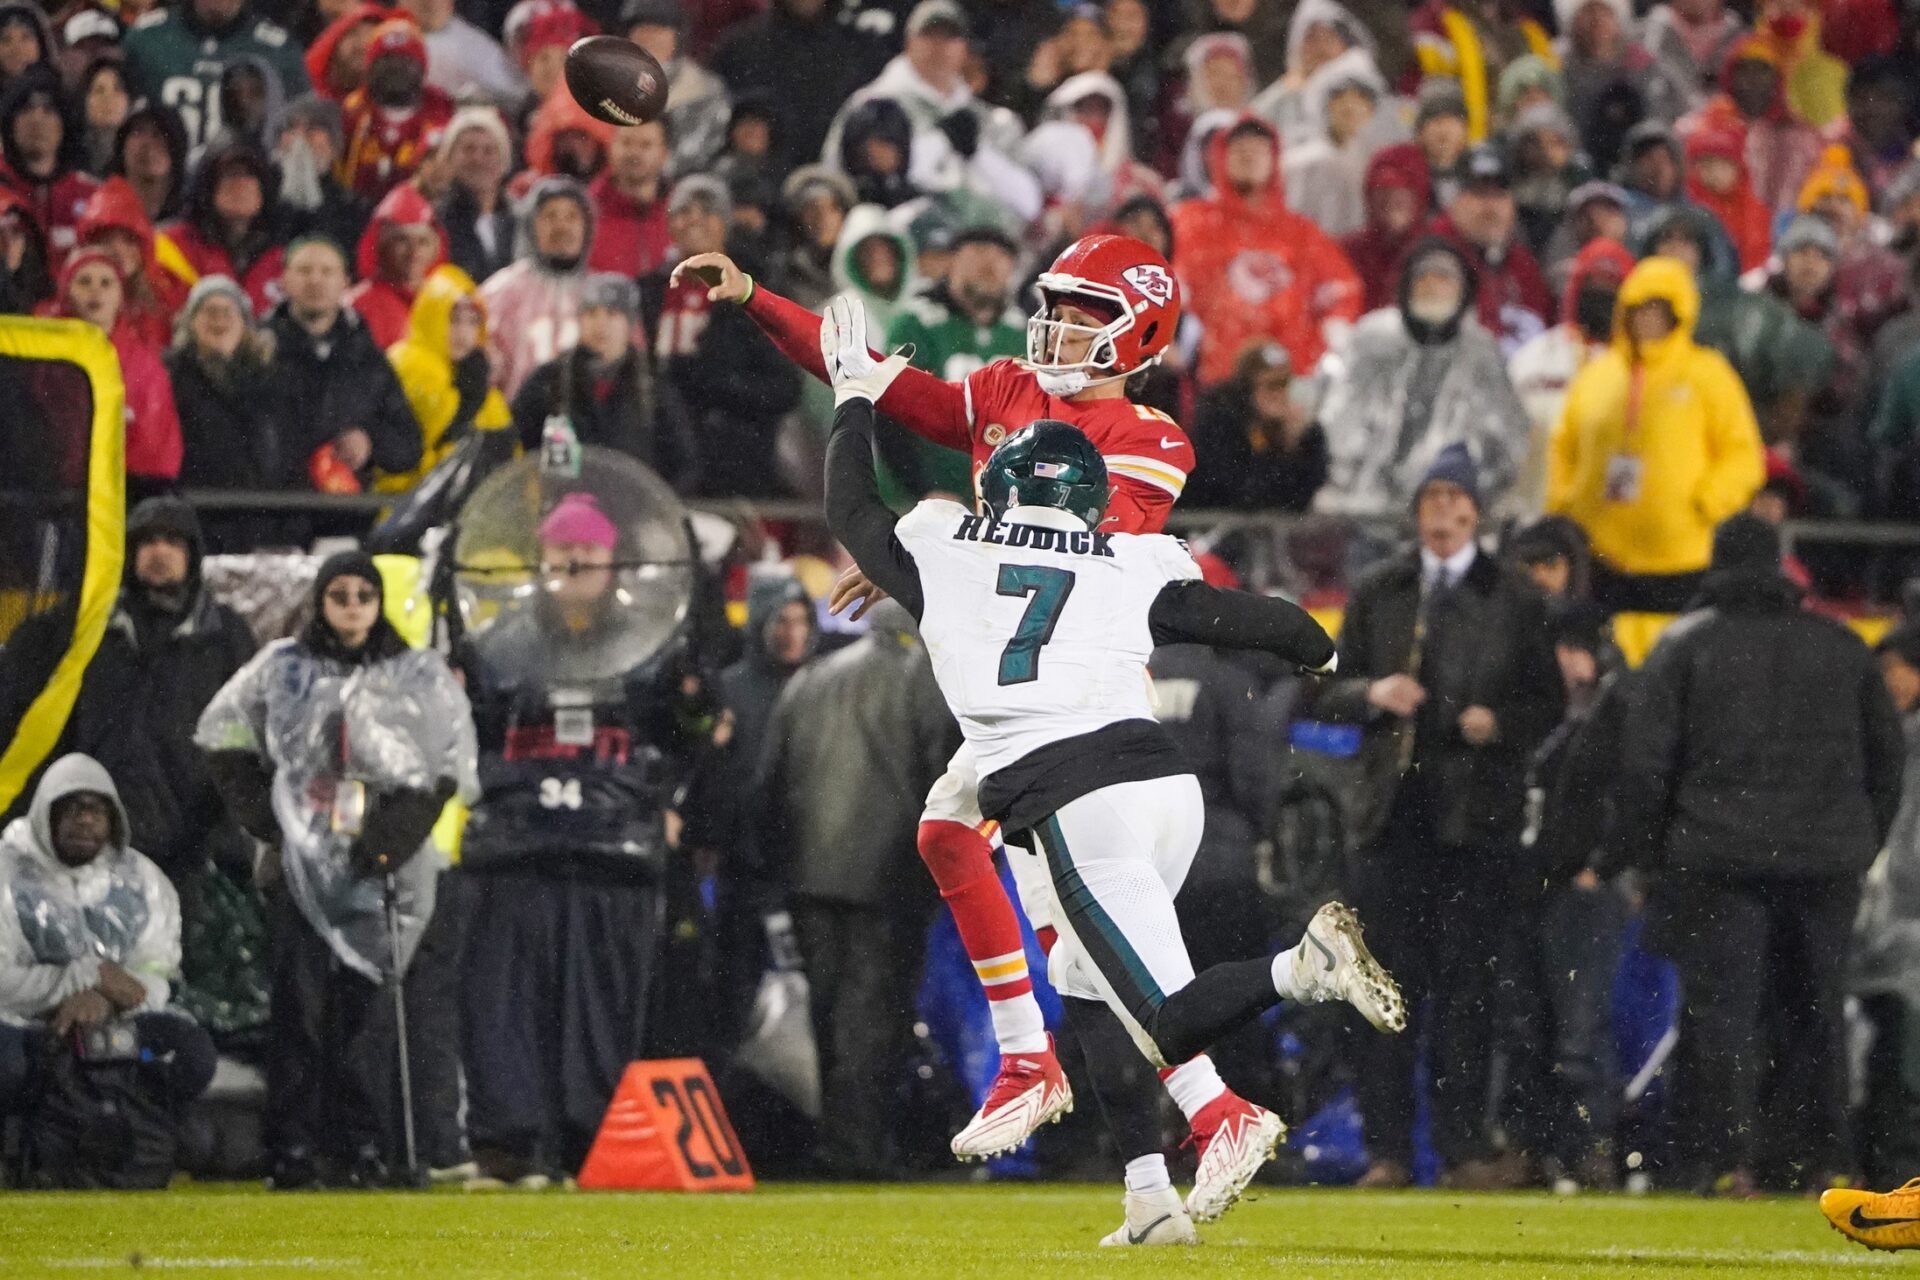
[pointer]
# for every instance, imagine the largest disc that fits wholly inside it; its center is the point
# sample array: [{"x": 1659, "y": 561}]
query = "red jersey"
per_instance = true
[
  {"x": 384, "y": 148},
  {"x": 1148, "y": 455}
]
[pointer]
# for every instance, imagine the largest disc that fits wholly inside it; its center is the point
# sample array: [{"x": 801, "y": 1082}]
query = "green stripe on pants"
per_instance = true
[{"x": 1105, "y": 944}]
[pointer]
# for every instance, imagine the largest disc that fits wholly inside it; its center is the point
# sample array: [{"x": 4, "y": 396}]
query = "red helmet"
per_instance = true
[{"x": 1124, "y": 283}]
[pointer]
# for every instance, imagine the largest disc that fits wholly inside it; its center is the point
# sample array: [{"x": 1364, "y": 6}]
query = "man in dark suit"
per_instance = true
[{"x": 1445, "y": 660}]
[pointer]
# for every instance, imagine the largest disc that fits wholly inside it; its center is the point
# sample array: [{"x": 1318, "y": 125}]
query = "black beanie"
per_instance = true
[
  {"x": 1745, "y": 543},
  {"x": 1452, "y": 465},
  {"x": 343, "y": 564},
  {"x": 382, "y": 642},
  {"x": 166, "y": 517}
]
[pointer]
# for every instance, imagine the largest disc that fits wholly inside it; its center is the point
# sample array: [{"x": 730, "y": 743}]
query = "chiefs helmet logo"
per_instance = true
[{"x": 1151, "y": 281}]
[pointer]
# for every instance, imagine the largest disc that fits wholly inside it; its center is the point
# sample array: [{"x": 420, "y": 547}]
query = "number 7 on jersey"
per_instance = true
[{"x": 1049, "y": 587}]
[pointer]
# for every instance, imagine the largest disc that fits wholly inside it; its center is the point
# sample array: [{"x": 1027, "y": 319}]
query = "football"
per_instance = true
[{"x": 615, "y": 80}]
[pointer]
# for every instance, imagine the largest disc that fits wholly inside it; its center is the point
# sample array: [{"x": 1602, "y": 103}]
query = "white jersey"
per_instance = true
[{"x": 1038, "y": 631}]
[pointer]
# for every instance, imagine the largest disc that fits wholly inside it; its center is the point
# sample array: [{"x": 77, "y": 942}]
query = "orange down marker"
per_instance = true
[{"x": 666, "y": 1130}]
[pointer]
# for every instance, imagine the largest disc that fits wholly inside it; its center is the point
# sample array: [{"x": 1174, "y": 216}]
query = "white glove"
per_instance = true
[{"x": 851, "y": 368}]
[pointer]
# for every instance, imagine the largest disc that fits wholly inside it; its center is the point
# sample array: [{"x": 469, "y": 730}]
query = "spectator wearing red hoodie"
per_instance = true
[
  {"x": 92, "y": 289},
  {"x": 337, "y": 58},
  {"x": 42, "y": 158},
  {"x": 1251, "y": 268},
  {"x": 401, "y": 245},
  {"x": 229, "y": 228},
  {"x": 394, "y": 120},
  {"x": 1717, "y": 181},
  {"x": 1483, "y": 222},
  {"x": 1398, "y": 195},
  {"x": 115, "y": 221},
  {"x": 630, "y": 234},
  {"x": 1780, "y": 147}
]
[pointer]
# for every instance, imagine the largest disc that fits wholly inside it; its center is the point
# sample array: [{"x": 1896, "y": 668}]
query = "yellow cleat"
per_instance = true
[{"x": 1889, "y": 1220}]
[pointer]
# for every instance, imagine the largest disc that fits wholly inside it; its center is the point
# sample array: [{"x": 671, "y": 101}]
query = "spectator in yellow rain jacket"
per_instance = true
[
  {"x": 442, "y": 366},
  {"x": 1655, "y": 446}
]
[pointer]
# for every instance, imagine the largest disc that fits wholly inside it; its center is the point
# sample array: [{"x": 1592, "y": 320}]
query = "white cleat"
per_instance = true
[
  {"x": 1029, "y": 1091},
  {"x": 1332, "y": 960},
  {"x": 1154, "y": 1217},
  {"x": 1235, "y": 1139}
]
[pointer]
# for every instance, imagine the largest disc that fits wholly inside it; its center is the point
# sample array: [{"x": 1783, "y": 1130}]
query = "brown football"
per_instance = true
[{"x": 615, "y": 80}]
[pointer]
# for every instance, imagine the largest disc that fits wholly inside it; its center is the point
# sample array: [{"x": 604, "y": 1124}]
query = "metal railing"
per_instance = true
[{"x": 1796, "y": 532}]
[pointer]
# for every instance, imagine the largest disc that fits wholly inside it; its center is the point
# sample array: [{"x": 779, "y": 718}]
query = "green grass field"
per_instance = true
[{"x": 894, "y": 1231}]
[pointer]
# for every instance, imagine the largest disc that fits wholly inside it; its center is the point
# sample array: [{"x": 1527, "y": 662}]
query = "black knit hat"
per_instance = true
[
  {"x": 164, "y": 517},
  {"x": 1546, "y": 539},
  {"x": 383, "y": 641},
  {"x": 1744, "y": 543},
  {"x": 1452, "y": 465},
  {"x": 344, "y": 564}
]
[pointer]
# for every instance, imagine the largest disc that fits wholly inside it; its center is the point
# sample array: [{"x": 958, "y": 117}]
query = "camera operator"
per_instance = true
[
  {"x": 592, "y": 721},
  {"x": 341, "y": 746}
]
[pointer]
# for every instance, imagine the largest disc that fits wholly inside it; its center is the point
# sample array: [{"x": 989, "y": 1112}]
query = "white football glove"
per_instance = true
[{"x": 851, "y": 368}]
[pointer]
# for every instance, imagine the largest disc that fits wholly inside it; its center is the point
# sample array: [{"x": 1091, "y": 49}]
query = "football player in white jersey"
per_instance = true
[{"x": 1039, "y": 628}]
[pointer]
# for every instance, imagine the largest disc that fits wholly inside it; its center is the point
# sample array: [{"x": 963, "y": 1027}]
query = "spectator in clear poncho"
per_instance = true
[
  {"x": 89, "y": 932},
  {"x": 344, "y": 702}
]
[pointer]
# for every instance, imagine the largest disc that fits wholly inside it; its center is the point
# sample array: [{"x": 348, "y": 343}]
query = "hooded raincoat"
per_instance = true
[
  {"x": 154, "y": 295},
  {"x": 533, "y": 306},
  {"x": 59, "y": 924},
  {"x": 383, "y": 301},
  {"x": 1379, "y": 442},
  {"x": 1252, "y": 268},
  {"x": 197, "y": 245},
  {"x": 446, "y": 397},
  {"x": 1657, "y": 444}
]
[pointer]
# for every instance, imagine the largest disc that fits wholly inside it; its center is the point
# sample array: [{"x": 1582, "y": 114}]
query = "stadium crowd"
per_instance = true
[{"x": 1621, "y": 289}]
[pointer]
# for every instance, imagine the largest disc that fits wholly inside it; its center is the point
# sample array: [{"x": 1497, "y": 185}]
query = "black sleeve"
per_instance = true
[
  {"x": 861, "y": 522},
  {"x": 1534, "y": 702},
  {"x": 1191, "y": 612},
  {"x": 1651, "y": 739},
  {"x": 532, "y": 403},
  {"x": 391, "y": 426},
  {"x": 676, "y": 450}
]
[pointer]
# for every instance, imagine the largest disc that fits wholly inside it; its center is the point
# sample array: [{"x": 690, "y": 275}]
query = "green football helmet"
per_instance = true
[{"x": 1048, "y": 463}]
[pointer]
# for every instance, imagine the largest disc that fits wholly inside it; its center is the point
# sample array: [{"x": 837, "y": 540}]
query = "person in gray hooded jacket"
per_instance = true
[
  {"x": 1418, "y": 377},
  {"x": 89, "y": 933},
  {"x": 854, "y": 742}
]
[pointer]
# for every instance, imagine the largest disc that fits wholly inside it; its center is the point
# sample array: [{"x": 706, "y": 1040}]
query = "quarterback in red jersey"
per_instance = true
[{"x": 1109, "y": 306}]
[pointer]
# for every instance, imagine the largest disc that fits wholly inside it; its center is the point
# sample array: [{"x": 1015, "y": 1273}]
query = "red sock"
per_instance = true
[{"x": 961, "y": 861}]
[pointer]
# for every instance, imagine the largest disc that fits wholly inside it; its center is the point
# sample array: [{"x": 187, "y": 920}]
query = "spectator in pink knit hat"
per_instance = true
[{"x": 576, "y": 553}]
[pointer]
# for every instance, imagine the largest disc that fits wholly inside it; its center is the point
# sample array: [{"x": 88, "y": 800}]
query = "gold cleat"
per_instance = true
[{"x": 1879, "y": 1220}]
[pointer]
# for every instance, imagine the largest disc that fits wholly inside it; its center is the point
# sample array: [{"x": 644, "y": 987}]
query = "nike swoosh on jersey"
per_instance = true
[
  {"x": 1168, "y": 442},
  {"x": 1861, "y": 1222},
  {"x": 1140, "y": 1236}
]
